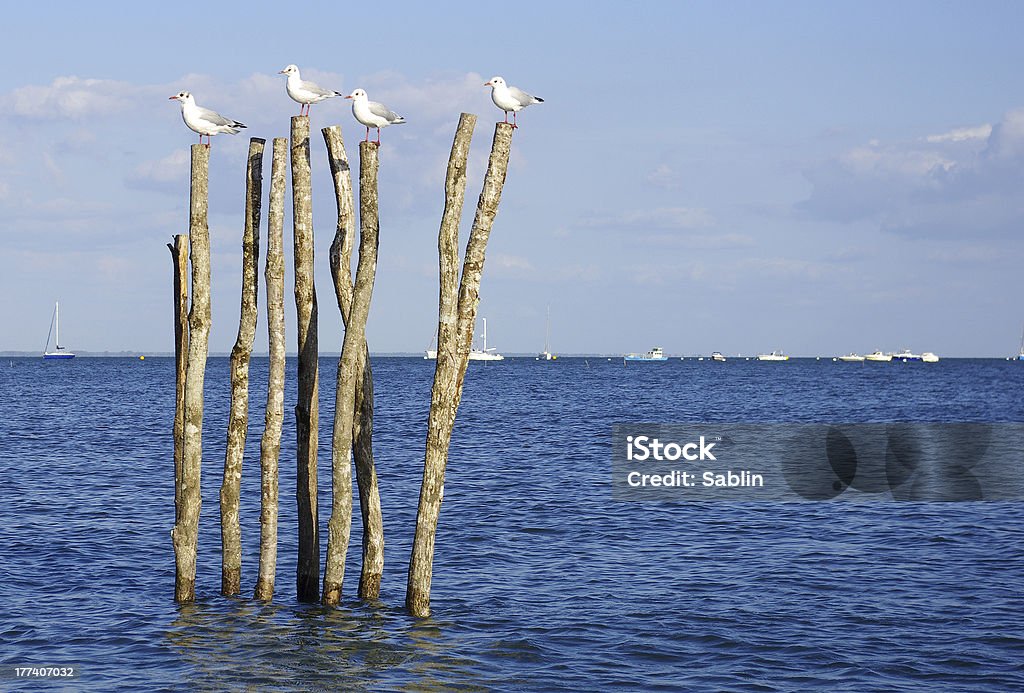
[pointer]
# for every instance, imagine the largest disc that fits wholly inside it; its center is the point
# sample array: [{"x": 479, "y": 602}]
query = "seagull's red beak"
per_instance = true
[
  {"x": 488, "y": 84},
  {"x": 349, "y": 96},
  {"x": 172, "y": 98}
]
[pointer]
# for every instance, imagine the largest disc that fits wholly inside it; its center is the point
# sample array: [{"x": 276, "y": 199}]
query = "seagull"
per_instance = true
[
  {"x": 304, "y": 91},
  {"x": 510, "y": 98},
  {"x": 203, "y": 120},
  {"x": 372, "y": 114}
]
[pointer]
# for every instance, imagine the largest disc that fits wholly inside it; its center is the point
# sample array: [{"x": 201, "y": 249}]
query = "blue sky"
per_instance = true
[{"x": 741, "y": 177}]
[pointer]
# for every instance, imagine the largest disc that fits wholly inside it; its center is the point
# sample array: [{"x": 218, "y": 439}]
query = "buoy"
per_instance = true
[{"x": 142, "y": 358}]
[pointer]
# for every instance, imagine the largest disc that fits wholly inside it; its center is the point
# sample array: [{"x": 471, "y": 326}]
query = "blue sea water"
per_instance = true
[{"x": 542, "y": 581}]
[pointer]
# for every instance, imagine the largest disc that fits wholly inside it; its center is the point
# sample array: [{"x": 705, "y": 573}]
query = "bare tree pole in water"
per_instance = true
[
  {"x": 238, "y": 417},
  {"x": 349, "y": 376},
  {"x": 179, "y": 258},
  {"x": 362, "y": 426},
  {"x": 185, "y": 535},
  {"x": 270, "y": 445},
  {"x": 307, "y": 410},
  {"x": 456, "y": 315}
]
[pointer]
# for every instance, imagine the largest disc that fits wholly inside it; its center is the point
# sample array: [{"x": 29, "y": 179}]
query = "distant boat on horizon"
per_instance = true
[
  {"x": 776, "y": 355},
  {"x": 546, "y": 355},
  {"x": 655, "y": 354},
  {"x": 59, "y": 352},
  {"x": 877, "y": 355},
  {"x": 852, "y": 357},
  {"x": 482, "y": 354},
  {"x": 906, "y": 356}
]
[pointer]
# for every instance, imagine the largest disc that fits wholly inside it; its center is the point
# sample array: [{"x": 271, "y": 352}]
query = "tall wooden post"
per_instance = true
[
  {"x": 307, "y": 410},
  {"x": 238, "y": 417},
  {"x": 185, "y": 534},
  {"x": 456, "y": 314},
  {"x": 353, "y": 350},
  {"x": 473, "y": 263},
  {"x": 270, "y": 444},
  {"x": 362, "y": 430},
  {"x": 179, "y": 258}
]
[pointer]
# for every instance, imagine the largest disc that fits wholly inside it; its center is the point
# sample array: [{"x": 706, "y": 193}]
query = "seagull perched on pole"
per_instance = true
[
  {"x": 203, "y": 120},
  {"x": 305, "y": 92},
  {"x": 372, "y": 114},
  {"x": 509, "y": 98}
]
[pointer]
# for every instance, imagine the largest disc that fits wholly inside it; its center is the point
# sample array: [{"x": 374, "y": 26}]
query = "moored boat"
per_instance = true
[
  {"x": 59, "y": 352},
  {"x": 483, "y": 354},
  {"x": 877, "y": 355},
  {"x": 776, "y": 355},
  {"x": 655, "y": 354},
  {"x": 717, "y": 356},
  {"x": 546, "y": 355},
  {"x": 852, "y": 358}
]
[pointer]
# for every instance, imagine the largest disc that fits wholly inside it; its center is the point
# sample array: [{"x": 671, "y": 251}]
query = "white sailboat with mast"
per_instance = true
[
  {"x": 546, "y": 355},
  {"x": 58, "y": 352},
  {"x": 484, "y": 354}
]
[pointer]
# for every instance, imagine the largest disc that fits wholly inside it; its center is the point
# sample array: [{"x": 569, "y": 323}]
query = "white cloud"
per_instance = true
[
  {"x": 655, "y": 218},
  {"x": 68, "y": 97},
  {"x": 704, "y": 241},
  {"x": 964, "y": 182},
  {"x": 511, "y": 262},
  {"x": 161, "y": 173},
  {"x": 663, "y": 176},
  {"x": 978, "y": 132}
]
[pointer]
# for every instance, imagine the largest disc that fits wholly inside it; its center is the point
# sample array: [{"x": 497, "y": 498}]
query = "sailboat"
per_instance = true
[
  {"x": 59, "y": 352},
  {"x": 546, "y": 355},
  {"x": 483, "y": 354},
  {"x": 1020, "y": 354}
]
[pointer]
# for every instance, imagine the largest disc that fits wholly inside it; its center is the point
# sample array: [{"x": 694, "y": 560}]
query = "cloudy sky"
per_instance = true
[{"x": 814, "y": 177}]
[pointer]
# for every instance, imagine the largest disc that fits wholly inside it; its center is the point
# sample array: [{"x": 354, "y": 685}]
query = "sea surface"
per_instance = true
[{"x": 542, "y": 581}]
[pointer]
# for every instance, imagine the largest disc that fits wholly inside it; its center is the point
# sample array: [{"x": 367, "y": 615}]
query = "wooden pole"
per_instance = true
[
  {"x": 185, "y": 534},
  {"x": 443, "y": 401},
  {"x": 362, "y": 433},
  {"x": 473, "y": 263},
  {"x": 179, "y": 258},
  {"x": 353, "y": 350},
  {"x": 307, "y": 410},
  {"x": 270, "y": 445},
  {"x": 238, "y": 417}
]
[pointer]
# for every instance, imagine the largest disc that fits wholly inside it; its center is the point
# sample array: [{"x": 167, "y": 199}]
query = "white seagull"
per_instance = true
[
  {"x": 372, "y": 114},
  {"x": 509, "y": 98},
  {"x": 305, "y": 92},
  {"x": 203, "y": 120}
]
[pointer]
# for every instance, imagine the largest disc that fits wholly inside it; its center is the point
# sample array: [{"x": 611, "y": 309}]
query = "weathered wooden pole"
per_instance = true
[
  {"x": 352, "y": 352},
  {"x": 179, "y": 258},
  {"x": 185, "y": 535},
  {"x": 456, "y": 314},
  {"x": 270, "y": 444},
  {"x": 362, "y": 429},
  {"x": 238, "y": 417},
  {"x": 307, "y": 410},
  {"x": 473, "y": 263}
]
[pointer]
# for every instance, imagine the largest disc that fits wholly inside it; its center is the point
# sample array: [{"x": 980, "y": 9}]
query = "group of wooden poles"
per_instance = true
[{"x": 353, "y": 418}]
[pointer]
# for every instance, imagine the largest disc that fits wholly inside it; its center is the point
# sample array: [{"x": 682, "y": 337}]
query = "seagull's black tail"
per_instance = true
[
  {"x": 236, "y": 124},
  {"x": 538, "y": 99}
]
